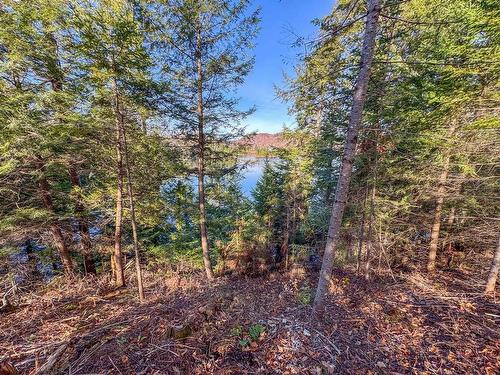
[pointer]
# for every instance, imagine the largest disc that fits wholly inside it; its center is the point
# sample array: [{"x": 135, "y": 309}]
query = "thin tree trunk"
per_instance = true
[
  {"x": 132, "y": 217},
  {"x": 113, "y": 266},
  {"x": 372, "y": 216},
  {"x": 31, "y": 259},
  {"x": 451, "y": 218},
  {"x": 351, "y": 247},
  {"x": 436, "y": 223},
  {"x": 286, "y": 239},
  {"x": 361, "y": 233},
  {"x": 117, "y": 253},
  {"x": 369, "y": 244},
  {"x": 380, "y": 246},
  {"x": 56, "y": 82},
  {"x": 448, "y": 241},
  {"x": 201, "y": 163},
  {"x": 356, "y": 115},
  {"x": 57, "y": 235},
  {"x": 495, "y": 268},
  {"x": 83, "y": 228}
]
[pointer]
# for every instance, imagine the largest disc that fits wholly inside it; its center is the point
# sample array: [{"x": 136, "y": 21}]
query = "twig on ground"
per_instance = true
[
  {"x": 116, "y": 368},
  {"x": 52, "y": 360}
]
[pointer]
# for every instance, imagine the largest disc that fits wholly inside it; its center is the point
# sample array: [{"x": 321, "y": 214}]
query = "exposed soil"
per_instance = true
[{"x": 415, "y": 325}]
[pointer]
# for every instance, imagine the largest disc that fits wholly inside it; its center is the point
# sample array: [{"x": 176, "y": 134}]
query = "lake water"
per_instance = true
[{"x": 251, "y": 174}]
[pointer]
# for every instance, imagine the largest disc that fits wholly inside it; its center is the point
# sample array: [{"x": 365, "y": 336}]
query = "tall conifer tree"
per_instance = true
[{"x": 204, "y": 48}]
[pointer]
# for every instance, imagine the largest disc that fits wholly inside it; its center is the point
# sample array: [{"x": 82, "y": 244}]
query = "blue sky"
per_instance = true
[{"x": 274, "y": 55}]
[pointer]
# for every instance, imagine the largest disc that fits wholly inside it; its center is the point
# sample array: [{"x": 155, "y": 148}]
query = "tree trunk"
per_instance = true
[
  {"x": 286, "y": 238},
  {"x": 201, "y": 162},
  {"x": 83, "y": 228},
  {"x": 33, "y": 271},
  {"x": 361, "y": 233},
  {"x": 440, "y": 193},
  {"x": 56, "y": 81},
  {"x": 369, "y": 252},
  {"x": 356, "y": 115},
  {"x": 369, "y": 247},
  {"x": 351, "y": 246},
  {"x": 436, "y": 223},
  {"x": 132, "y": 217},
  {"x": 448, "y": 243},
  {"x": 495, "y": 267},
  {"x": 117, "y": 254},
  {"x": 57, "y": 235}
]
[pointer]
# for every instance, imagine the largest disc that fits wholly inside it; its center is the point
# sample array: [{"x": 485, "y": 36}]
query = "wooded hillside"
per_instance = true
[{"x": 263, "y": 141}]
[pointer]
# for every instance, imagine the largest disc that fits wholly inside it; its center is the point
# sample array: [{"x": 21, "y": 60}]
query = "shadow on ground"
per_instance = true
[{"x": 414, "y": 325}]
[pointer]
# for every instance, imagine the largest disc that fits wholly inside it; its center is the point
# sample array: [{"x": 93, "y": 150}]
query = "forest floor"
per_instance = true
[{"x": 411, "y": 324}]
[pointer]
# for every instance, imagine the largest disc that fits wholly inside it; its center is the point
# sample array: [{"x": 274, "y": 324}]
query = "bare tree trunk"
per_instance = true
[
  {"x": 285, "y": 246},
  {"x": 380, "y": 249},
  {"x": 351, "y": 245},
  {"x": 57, "y": 235},
  {"x": 436, "y": 223},
  {"x": 369, "y": 244},
  {"x": 495, "y": 268},
  {"x": 451, "y": 218},
  {"x": 361, "y": 233},
  {"x": 201, "y": 163},
  {"x": 440, "y": 194},
  {"x": 83, "y": 228},
  {"x": 356, "y": 115},
  {"x": 117, "y": 254},
  {"x": 372, "y": 216},
  {"x": 132, "y": 217},
  {"x": 448, "y": 242},
  {"x": 113, "y": 266}
]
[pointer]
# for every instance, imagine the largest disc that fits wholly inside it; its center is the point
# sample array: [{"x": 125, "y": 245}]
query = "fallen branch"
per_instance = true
[
  {"x": 329, "y": 341},
  {"x": 52, "y": 360}
]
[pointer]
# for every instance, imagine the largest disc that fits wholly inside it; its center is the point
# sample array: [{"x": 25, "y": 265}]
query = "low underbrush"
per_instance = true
[{"x": 243, "y": 325}]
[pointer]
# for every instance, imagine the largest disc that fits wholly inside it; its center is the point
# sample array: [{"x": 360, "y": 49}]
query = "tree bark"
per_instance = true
[
  {"x": 495, "y": 268},
  {"x": 117, "y": 253},
  {"x": 372, "y": 215},
  {"x": 356, "y": 115},
  {"x": 55, "y": 76},
  {"x": 56, "y": 231},
  {"x": 369, "y": 247},
  {"x": 286, "y": 238},
  {"x": 83, "y": 228},
  {"x": 436, "y": 223},
  {"x": 132, "y": 216},
  {"x": 361, "y": 233},
  {"x": 201, "y": 162}
]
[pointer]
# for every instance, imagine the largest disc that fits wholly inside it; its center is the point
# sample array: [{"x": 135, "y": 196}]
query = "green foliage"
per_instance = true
[
  {"x": 431, "y": 95},
  {"x": 305, "y": 295},
  {"x": 255, "y": 331},
  {"x": 237, "y": 331},
  {"x": 244, "y": 342},
  {"x": 171, "y": 254},
  {"x": 432, "y": 105},
  {"x": 253, "y": 334}
]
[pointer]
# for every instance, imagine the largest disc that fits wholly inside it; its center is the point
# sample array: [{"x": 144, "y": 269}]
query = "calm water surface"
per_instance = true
[{"x": 252, "y": 173}]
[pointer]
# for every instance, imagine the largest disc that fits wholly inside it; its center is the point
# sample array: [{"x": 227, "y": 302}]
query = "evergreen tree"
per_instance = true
[
  {"x": 42, "y": 126},
  {"x": 204, "y": 49},
  {"x": 110, "y": 43},
  {"x": 356, "y": 114}
]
